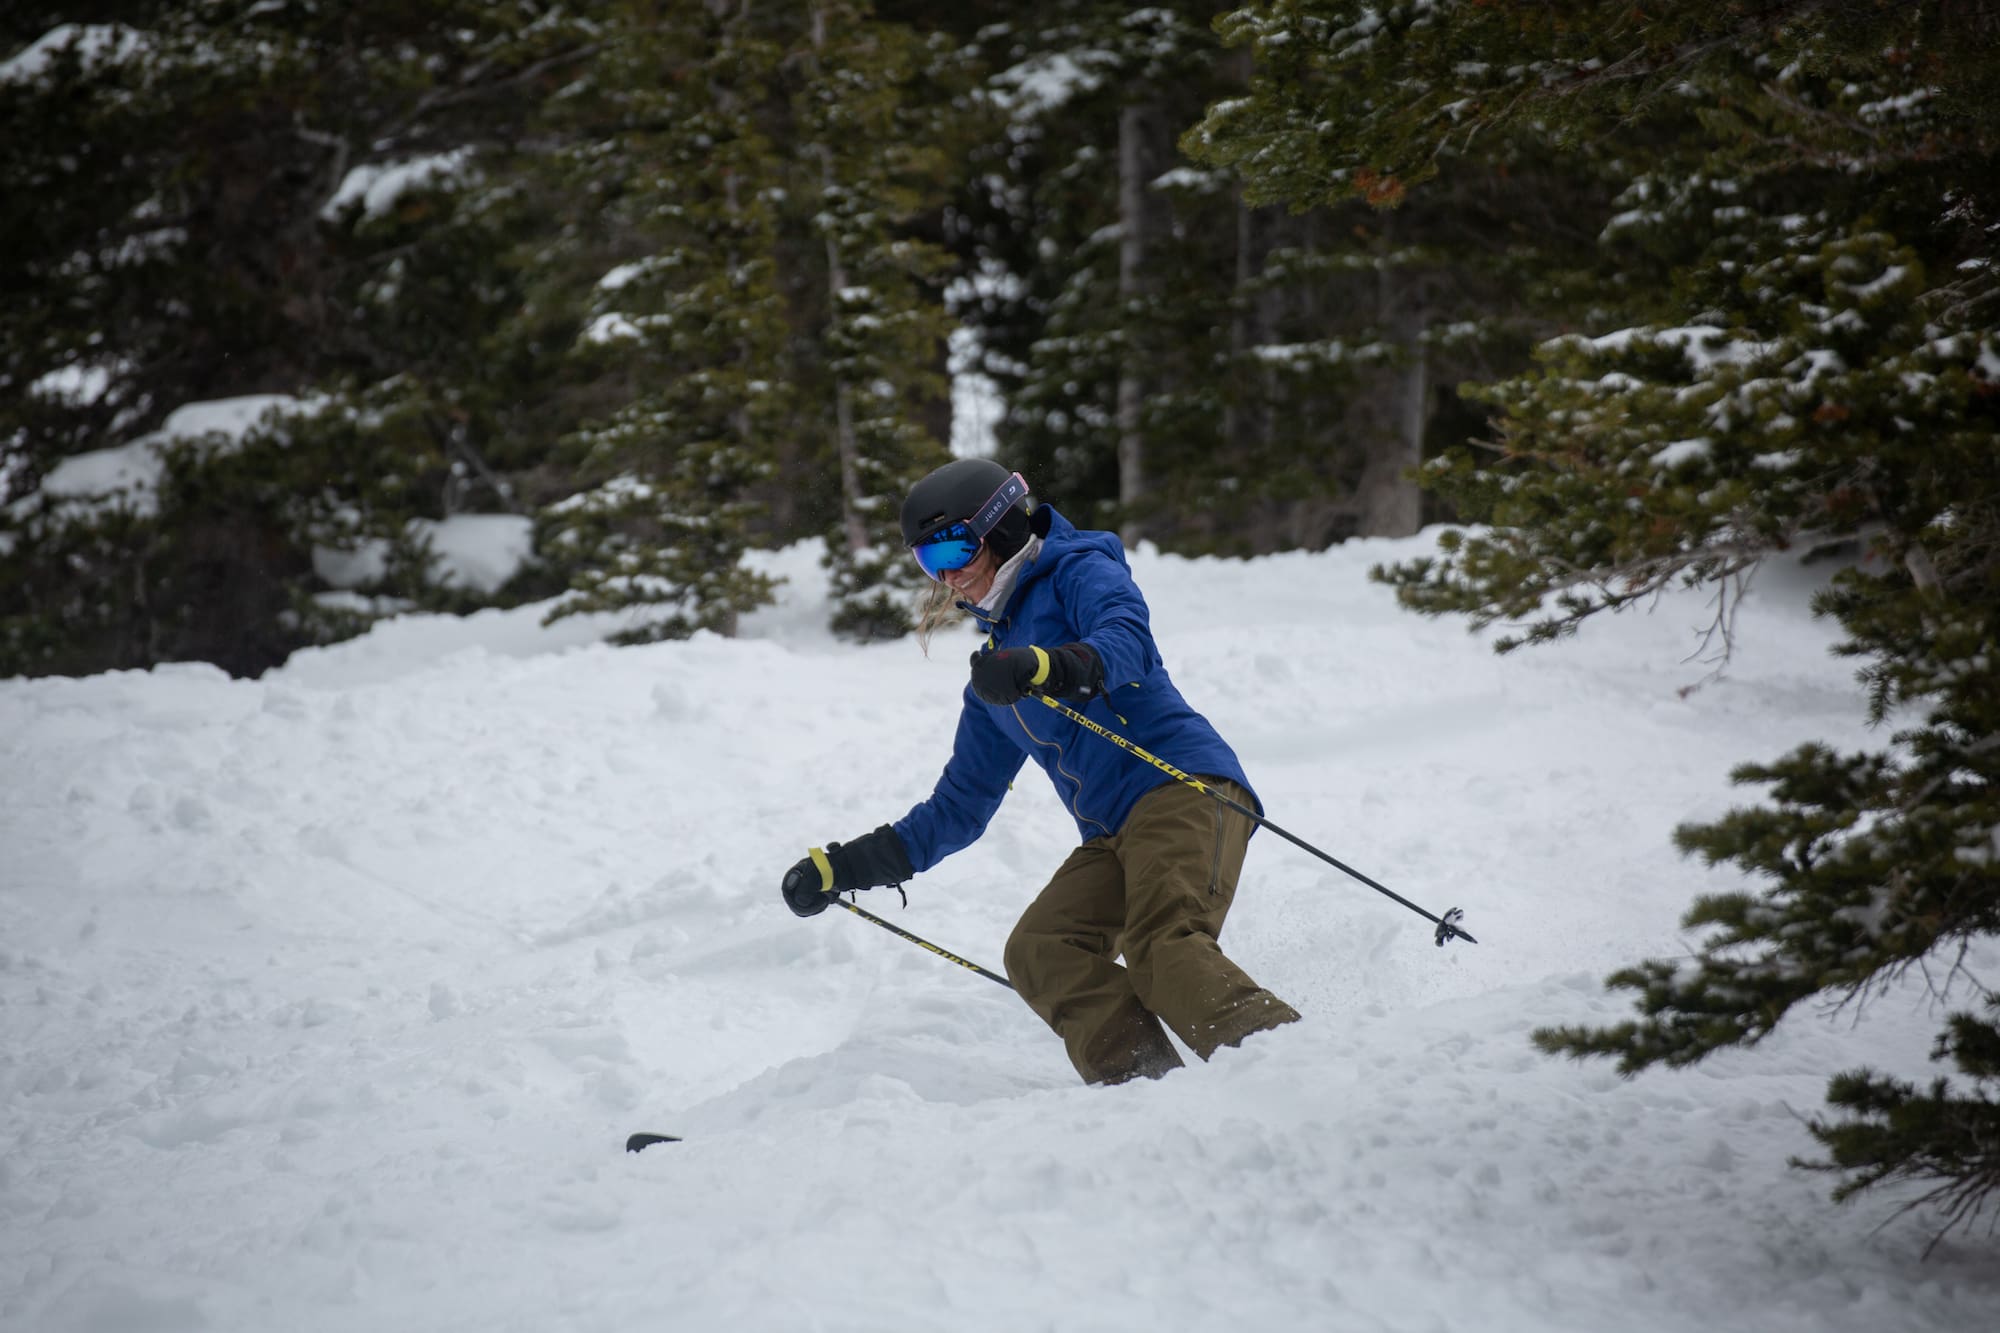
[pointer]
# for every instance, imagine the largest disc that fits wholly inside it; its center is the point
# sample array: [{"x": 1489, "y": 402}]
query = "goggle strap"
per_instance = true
[{"x": 988, "y": 517}]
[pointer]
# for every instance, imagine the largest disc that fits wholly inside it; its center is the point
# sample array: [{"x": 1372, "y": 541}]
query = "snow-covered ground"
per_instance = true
[{"x": 329, "y": 999}]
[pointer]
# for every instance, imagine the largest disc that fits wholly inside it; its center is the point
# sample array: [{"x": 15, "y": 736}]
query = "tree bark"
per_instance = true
[
  {"x": 1391, "y": 505},
  {"x": 1134, "y": 177},
  {"x": 854, "y": 528}
]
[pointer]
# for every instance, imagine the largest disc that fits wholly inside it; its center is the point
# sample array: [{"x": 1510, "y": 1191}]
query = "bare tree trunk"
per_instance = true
[
  {"x": 1242, "y": 314},
  {"x": 1133, "y": 179},
  {"x": 1238, "y": 412},
  {"x": 1391, "y": 504},
  {"x": 739, "y": 419},
  {"x": 853, "y": 527},
  {"x": 1246, "y": 328}
]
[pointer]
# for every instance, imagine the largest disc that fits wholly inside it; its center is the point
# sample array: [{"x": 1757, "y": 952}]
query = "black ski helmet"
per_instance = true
[{"x": 955, "y": 492}]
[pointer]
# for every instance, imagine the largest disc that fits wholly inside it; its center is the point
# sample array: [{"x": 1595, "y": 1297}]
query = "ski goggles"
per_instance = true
[
  {"x": 956, "y": 544},
  {"x": 950, "y": 547}
]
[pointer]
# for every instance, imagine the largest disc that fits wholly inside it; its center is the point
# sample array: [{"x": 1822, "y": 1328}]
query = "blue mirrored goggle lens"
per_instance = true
[{"x": 946, "y": 549}]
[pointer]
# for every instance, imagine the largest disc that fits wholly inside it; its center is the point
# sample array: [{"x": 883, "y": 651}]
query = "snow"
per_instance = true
[
  {"x": 1705, "y": 348},
  {"x": 1890, "y": 277},
  {"x": 977, "y": 405},
  {"x": 128, "y": 475},
  {"x": 625, "y": 274},
  {"x": 476, "y": 551},
  {"x": 1047, "y": 83},
  {"x": 612, "y": 327},
  {"x": 1190, "y": 178},
  {"x": 1682, "y": 451},
  {"x": 378, "y": 185},
  {"x": 1893, "y": 108},
  {"x": 1323, "y": 352},
  {"x": 354, "y": 566},
  {"x": 131, "y": 470},
  {"x": 75, "y": 385},
  {"x": 330, "y": 997},
  {"x": 481, "y": 551},
  {"x": 94, "y": 44},
  {"x": 1631, "y": 217}
]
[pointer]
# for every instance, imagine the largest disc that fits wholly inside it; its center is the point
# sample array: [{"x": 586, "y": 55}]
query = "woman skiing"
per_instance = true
[{"x": 1156, "y": 871}]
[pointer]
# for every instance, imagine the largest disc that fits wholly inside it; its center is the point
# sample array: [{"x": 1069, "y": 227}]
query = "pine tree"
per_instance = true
[
  {"x": 1104, "y": 260},
  {"x": 675, "y": 189},
  {"x": 179, "y": 232},
  {"x": 1804, "y": 355},
  {"x": 1185, "y": 356},
  {"x": 1417, "y": 289},
  {"x": 766, "y": 324},
  {"x": 872, "y": 149}
]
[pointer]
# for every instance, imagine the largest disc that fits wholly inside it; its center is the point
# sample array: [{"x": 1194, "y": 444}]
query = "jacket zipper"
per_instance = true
[{"x": 1075, "y": 805}]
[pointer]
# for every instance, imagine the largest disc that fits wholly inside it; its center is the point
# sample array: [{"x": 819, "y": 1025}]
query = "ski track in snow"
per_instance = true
[{"x": 329, "y": 998}]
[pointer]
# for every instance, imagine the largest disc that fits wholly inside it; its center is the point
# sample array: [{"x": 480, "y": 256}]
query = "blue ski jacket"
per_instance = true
[{"x": 1077, "y": 589}]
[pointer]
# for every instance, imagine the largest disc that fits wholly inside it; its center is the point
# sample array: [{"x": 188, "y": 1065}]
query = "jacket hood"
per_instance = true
[{"x": 1061, "y": 541}]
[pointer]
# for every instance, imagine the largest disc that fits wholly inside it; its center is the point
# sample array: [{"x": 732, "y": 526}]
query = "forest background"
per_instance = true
[
  {"x": 1643, "y": 295},
  {"x": 670, "y": 279}
]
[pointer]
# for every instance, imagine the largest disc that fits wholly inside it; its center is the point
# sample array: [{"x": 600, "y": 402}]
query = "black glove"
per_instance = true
[
  {"x": 870, "y": 861},
  {"x": 1006, "y": 675}
]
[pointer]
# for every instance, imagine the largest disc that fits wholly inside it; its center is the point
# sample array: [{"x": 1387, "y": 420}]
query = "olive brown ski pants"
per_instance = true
[{"x": 1155, "y": 891}]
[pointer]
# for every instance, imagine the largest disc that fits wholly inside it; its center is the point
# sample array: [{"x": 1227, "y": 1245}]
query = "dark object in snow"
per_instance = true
[
  {"x": 1448, "y": 927},
  {"x": 641, "y": 1142}
]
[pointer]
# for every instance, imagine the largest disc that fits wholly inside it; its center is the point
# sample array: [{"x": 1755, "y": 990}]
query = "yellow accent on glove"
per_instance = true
[
  {"x": 1041, "y": 667},
  {"x": 825, "y": 869}
]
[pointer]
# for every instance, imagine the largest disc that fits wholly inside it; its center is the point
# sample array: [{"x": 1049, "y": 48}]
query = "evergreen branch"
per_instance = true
[
  {"x": 1634, "y": 580},
  {"x": 1941, "y": 993},
  {"x": 469, "y": 90},
  {"x": 338, "y": 145},
  {"x": 1640, "y": 63},
  {"x": 1722, "y": 625},
  {"x": 1937, "y": 784},
  {"x": 1823, "y": 115},
  {"x": 1895, "y": 1133}
]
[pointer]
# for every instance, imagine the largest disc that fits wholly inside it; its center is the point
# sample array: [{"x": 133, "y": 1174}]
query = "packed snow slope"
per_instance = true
[{"x": 330, "y": 998}]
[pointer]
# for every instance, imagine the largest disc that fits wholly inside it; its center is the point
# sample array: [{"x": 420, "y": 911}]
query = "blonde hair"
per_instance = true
[{"x": 936, "y": 608}]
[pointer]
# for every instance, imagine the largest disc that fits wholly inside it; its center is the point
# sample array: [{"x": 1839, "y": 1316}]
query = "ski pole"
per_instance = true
[
  {"x": 639, "y": 1143},
  {"x": 923, "y": 943},
  {"x": 1447, "y": 925}
]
